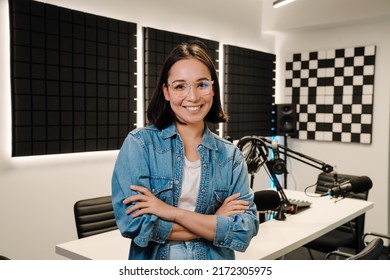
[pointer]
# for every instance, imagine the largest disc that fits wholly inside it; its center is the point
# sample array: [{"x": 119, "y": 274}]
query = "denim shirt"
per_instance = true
[{"x": 154, "y": 159}]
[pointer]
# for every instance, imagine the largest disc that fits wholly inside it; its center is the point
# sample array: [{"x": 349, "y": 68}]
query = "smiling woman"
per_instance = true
[
  {"x": 188, "y": 195},
  {"x": 189, "y": 102}
]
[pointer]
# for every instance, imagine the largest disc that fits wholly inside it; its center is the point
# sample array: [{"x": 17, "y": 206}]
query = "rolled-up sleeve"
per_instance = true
[{"x": 235, "y": 232}]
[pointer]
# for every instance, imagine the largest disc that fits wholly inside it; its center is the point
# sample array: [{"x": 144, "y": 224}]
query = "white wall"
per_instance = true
[{"x": 37, "y": 193}]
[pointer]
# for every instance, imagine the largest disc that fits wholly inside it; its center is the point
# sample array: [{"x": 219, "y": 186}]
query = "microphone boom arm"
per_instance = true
[{"x": 316, "y": 163}]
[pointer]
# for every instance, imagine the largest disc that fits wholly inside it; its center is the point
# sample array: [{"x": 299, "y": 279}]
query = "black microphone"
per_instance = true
[
  {"x": 267, "y": 200},
  {"x": 278, "y": 165},
  {"x": 356, "y": 185}
]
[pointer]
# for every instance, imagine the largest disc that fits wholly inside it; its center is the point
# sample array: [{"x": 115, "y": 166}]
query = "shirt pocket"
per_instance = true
[
  {"x": 162, "y": 188},
  {"x": 219, "y": 195}
]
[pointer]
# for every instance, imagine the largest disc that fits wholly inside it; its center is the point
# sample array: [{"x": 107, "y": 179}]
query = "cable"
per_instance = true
[{"x": 311, "y": 194}]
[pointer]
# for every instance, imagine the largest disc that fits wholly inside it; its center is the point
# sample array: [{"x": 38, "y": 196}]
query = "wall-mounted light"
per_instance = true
[{"x": 280, "y": 3}]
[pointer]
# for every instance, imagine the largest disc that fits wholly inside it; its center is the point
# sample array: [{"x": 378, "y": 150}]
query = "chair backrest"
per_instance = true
[
  {"x": 372, "y": 251},
  {"x": 356, "y": 226},
  {"x": 94, "y": 216}
]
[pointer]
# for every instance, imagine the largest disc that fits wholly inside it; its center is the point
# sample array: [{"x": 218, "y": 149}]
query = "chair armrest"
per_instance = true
[
  {"x": 375, "y": 234},
  {"x": 338, "y": 253}
]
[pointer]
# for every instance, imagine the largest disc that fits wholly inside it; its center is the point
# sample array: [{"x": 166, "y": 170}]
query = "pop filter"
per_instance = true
[{"x": 267, "y": 200}]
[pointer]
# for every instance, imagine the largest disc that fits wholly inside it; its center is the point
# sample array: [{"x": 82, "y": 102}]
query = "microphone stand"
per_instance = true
[
  {"x": 285, "y": 204},
  {"x": 264, "y": 145}
]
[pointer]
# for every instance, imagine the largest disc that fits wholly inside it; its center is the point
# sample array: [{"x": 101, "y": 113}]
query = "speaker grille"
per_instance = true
[{"x": 286, "y": 119}]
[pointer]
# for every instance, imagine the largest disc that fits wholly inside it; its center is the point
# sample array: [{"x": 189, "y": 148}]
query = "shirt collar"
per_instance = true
[{"x": 208, "y": 137}]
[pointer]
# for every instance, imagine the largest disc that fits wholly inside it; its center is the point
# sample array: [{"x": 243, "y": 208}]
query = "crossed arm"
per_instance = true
[{"x": 187, "y": 225}]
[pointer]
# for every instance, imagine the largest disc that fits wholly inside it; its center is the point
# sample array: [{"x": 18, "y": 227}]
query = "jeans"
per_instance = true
[{"x": 179, "y": 250}]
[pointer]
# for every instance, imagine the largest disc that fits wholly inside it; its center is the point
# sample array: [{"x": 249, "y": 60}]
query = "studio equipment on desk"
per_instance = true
[
  {"x": 255, "y": 150},
  {"x": 297, "y": 205},
  {"x": 355, "y": 185}
]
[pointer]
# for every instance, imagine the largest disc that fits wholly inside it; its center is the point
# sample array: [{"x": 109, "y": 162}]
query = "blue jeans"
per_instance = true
[{"x": 179, "y": 250}]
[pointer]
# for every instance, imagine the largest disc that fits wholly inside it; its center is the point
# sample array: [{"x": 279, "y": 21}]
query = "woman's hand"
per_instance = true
[
  {"x": 147, "y": 203},
  {"x": 232, "y": 205}
]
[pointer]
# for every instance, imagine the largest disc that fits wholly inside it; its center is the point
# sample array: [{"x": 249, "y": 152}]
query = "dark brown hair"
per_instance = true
[{"x": 159, "y": 111}]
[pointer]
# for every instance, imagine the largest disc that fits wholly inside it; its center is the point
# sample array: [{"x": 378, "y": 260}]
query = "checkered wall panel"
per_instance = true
[{"x": 334, "y": 91}]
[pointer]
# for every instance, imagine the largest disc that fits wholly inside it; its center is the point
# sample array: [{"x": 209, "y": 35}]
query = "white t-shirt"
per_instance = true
[{"x": 190, "y": 188}]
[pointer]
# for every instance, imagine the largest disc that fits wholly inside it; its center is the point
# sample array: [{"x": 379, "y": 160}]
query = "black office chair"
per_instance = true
[
  {"x": 368, "y": 235},
  {"x": 372, "y": 251},
  {"x": 348, "y": 235},
  {"x": 94, "y": 216}
]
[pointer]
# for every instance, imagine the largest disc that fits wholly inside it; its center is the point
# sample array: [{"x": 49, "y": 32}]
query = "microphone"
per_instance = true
[
  {"x": 267, "y": 200},
  {"x": 275, "y": 148},
  {"x": 277, "y": 164},
  {"x": 356, "y": 185}
]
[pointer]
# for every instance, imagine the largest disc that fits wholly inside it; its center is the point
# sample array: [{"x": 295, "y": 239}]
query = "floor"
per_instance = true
[{"x": 302, "y": 253}]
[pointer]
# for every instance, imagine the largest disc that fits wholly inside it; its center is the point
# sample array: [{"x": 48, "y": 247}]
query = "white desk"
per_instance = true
[
  {"x": 105, "y": 246},
  {"x": 275, "y": 238}
]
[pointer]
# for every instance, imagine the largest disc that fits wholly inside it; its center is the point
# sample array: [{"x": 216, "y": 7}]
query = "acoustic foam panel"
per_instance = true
[
  {"x": 249, "y": 80},
  {"x": 334, "y": 92},
  {"x": 72, "y": 80}
]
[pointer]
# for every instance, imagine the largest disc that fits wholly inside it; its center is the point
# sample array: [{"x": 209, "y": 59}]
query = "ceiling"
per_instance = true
[{"x": 309, "y": 14}]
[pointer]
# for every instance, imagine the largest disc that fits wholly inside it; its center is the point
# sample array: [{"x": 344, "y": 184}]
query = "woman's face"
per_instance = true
[{"x": 192, "y": 108}]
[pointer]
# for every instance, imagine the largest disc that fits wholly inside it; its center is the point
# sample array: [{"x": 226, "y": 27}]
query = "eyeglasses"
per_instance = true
[{"x": 181, "y": 89}]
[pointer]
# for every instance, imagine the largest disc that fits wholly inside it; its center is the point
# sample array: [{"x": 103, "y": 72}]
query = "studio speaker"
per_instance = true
[{"x": 286, "y": 119}]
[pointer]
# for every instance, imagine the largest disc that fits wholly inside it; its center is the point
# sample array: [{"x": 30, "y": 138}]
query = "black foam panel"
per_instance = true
[
  {"x": 249, "y": 92},
  {"x": 72, "y": 80}
]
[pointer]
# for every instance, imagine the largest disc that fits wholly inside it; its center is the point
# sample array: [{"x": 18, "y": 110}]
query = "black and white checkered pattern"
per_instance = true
[{"x": 333, "y": 90}]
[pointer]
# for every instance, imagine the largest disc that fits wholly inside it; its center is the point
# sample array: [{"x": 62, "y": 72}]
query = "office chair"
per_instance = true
[
  {"x": 375, "y": 235},
  {"x": 348, "y": 235},
  {"x": 94, "y": 216},
  {"x": 372, "y": 251}
]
